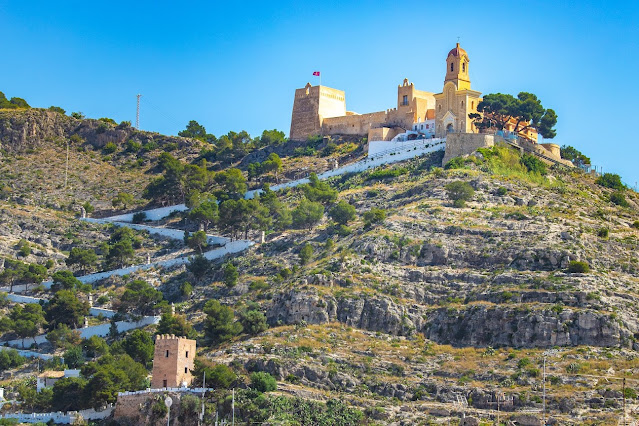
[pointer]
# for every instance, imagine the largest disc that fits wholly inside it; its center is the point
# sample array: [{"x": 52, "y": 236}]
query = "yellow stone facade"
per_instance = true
[
  {"x": 321, "y": 110},
  {"x": 457, "y": 100}
]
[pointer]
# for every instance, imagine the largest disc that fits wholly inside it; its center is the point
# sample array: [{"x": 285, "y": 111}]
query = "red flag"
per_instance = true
[{"x": 316, "y": 73}]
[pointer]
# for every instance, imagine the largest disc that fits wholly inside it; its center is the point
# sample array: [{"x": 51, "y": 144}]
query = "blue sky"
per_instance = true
[{"x": 234, "y": 66}]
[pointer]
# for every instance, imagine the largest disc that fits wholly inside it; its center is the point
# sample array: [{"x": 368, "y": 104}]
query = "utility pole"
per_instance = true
[
  {"x": 137, "y": 113},
  {"x": 66, "y": 171},
  {"x": 203, "y": 393},
  {"x": 543, "y": 416},
  {"x": 233, "y": 405},
  {"x": 550, "y": 352},
  {"x": 624, "y": 401}
]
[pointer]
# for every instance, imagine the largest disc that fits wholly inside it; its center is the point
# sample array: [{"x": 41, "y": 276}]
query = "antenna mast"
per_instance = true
[{"x": 137, "y": 113}]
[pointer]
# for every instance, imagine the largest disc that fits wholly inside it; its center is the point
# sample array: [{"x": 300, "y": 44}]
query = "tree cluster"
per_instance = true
[
  {"x": 573, "y": 154},
  {"x": 181, "y": 180},
  {"x": 496, "y": 110},
  {"x": 13, "y": 103},
  {"x": 232, "y": 146},
  {"x": 272, "y": 164},
  {"x": 17, "y": 272}
]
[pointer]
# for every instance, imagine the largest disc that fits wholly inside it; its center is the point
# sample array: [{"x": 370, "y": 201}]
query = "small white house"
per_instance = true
[{"x": 48, "y": 378}]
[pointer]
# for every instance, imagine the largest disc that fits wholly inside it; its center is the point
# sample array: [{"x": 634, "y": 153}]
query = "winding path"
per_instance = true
[{"x": 395, "y": 153}]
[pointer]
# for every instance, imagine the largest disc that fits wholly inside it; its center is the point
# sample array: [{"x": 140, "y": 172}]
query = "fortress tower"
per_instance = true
[
  {"x": 311, "y": 106},
  {"x": 457, "y": 100},
  {"x": 172, "y": 361}
]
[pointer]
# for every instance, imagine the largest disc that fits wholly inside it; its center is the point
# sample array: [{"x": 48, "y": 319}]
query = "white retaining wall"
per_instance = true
[
  {"x": 60, "y": 417},
  {"x": 375, "y": 148},
  {"x": 160, "y": 390},
  {"x": 28, "y": 353},
  {"x": 389, "y": 156},
  {"x": 152, "y": 214},
  {"x": 101, "y": 330}
]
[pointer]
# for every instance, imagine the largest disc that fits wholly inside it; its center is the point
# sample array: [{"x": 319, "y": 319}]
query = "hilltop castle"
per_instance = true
[{"x": 321, "y": 110}]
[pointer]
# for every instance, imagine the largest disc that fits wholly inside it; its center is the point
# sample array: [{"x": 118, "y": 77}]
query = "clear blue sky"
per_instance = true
[{"x": 235, "y": 65}]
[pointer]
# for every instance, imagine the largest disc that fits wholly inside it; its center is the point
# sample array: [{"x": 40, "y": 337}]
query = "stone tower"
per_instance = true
[
  {"x": 456, "y": 100},
  {"x": 172, "y": 361},
  {"x": 311, "y": 106},
  {"x": 457, "y": 68}
]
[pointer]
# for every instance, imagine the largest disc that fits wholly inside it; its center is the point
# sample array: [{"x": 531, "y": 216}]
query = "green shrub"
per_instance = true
[
  {"x": 455, "y": 163},
  {"x": 133, "y": 146},
  {"x": 24, "y": 248},
  {"x": 263, "y": 382},
  {"x": 387, "y": 173},
  {"x": 171, "y": 146},
  {"x": 603, "y": 233},
  {"x": 610, "y": 180},
  {"x": 230, "y": 275},
  {"x": 576, "y": 266},
  {"x": 523, "y": 363},
  {"x": 342, "y": 213},
  {"x": 57, "y": 109},
  {"x": 258, "y": 285},
  {"x": 110, "y": 148},
  {"x": 516, "y": 216},
  {"x": 460, "y": 192},
  {"x": 534, "y": 164},
  {"x": 374, "y": 215},
  {"x": 619, "y": 199},
  {"x": 139, "y": 217},
  {"x": 635, "y": 224},
  {"x": 11, "y": 359},
  {"x": 501, "y": 191},
  {"x": 88, "y": 207},
  {"x": 186, "y": 289},
  {"x": 329, "y": 149},
  {"x": 305, "y": 253},
  {"x": 150, "y": 146}
]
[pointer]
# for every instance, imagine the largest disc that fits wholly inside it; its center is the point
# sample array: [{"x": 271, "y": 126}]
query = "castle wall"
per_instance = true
[
  {"x": 353, "y": 124},
  {"x": 458, "y": 144},
  {"x": 383, "y": 134}
]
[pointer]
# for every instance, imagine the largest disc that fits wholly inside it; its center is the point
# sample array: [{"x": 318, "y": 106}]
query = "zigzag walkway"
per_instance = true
[{"x": 227, "y": 247}]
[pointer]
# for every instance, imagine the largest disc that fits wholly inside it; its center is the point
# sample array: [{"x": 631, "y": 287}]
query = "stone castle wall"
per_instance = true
[{"x": 458, "y": 144}]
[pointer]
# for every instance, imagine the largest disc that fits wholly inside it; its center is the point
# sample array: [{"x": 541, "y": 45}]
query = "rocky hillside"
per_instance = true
[
  {"x": 401, "y": 310},
  {"x": 437, "y": 301}
]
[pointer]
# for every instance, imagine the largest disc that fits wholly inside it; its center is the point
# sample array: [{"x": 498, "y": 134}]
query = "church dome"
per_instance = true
[{"x": 457, "y": 51}]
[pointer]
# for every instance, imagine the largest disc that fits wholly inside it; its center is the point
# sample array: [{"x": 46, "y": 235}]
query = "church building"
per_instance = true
[{"x": 321, "y": 110}]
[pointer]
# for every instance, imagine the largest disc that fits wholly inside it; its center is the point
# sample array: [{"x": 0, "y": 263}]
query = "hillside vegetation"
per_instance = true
[{"x": 376, "y": 298}]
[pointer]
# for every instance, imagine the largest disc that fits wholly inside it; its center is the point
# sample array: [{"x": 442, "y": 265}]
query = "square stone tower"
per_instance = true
[
  {"x": 172, "y": 361},
  {"x": 311, "y": 106}
]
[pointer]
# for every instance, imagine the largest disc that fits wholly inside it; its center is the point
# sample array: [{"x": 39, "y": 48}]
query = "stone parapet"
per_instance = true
[{"x": 458, "y": 144}]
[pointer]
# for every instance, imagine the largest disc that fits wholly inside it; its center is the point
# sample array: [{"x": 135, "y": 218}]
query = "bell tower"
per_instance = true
[{"x": 457, "y": 68}]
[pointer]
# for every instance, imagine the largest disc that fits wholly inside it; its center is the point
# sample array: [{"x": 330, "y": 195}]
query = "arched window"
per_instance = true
[
  {"x": 464, "y": 66},
  {"x": 472, "y": 105},
  {"x": 452, "y": 66}
]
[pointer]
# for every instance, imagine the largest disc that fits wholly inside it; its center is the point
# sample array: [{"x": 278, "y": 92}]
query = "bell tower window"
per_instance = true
[
  {"x": 452, "y": 67},
  {"x": 463, "y": 66}
]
